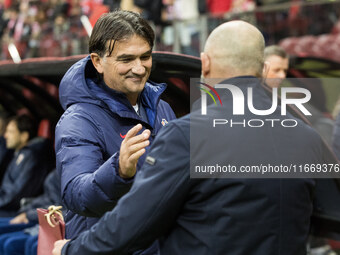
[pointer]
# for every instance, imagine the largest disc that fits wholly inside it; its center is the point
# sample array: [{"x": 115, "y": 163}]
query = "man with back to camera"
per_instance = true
[
  {"x": 107, "y": 101},
  {"x": 212, "y": 215},
  {"x": 277, "y": 64}
]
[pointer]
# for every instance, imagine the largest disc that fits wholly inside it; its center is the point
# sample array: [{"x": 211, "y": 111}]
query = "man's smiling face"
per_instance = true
[{"x": 128, "y": 67}]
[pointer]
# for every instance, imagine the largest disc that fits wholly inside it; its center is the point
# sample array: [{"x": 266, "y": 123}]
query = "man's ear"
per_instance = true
[
  {"x": 205, "y": 63},
  {"x": 265, "y": 70},
  {"x": 97, "y": 62}
]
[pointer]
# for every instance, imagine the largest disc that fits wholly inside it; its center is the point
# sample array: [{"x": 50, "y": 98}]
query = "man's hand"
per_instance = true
[
  {"x": 58, "y": 246},
  {"x": 132, "y": 148},
  {"x": 19, "y": 219}
]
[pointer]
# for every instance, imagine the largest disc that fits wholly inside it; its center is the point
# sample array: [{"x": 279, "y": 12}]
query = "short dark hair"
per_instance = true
[
  {"x": 25, "y": 123},
  {"x": 4, "y": 116},
  {"x": 115, "y": 26},
  {"x": 275, "y": 50}
]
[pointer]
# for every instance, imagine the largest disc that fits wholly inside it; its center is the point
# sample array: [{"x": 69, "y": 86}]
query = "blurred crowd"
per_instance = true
[
  {"x": 53, "y": 27},
  {"x": 41, "y": 28}
]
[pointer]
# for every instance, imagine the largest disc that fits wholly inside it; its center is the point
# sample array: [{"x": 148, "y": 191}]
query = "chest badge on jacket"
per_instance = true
[
  {"x": 19, "y": 159},
  {"x": 164, "y": 122}
]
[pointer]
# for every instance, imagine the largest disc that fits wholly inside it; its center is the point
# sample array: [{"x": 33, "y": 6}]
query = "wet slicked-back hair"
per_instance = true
[{"x": 116, "y": 26}]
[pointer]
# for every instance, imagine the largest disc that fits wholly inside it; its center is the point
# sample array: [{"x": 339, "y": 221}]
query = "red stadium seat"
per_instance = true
[
  {"x": 334, "y": 244},
  {"x": 44, "y": 129}
]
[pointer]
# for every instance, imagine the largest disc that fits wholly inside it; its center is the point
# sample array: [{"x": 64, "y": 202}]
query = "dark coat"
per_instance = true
[{"x": 213, "y": 216}]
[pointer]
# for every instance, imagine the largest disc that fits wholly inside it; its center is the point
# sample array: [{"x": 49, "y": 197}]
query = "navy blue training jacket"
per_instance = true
[
  {"x": 213, "y": 216},
  {"x": 88, "y": 139}
]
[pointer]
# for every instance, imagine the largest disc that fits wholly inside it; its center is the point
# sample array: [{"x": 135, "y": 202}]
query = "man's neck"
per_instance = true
[
  {"x": 133, "y": 99},
  {"x": 20, "y": 147}
]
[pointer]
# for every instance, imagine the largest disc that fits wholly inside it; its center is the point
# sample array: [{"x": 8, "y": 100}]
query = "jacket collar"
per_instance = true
[{"x": 118, "y": 103}]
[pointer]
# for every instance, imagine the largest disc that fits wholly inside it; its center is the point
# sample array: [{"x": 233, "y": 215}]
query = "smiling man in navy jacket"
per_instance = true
[
  {"x": 112, "y": 114},
  {"x": 215, "y": 216}
]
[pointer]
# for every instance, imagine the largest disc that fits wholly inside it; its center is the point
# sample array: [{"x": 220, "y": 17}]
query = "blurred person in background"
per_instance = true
[
  {"x": 187, "y": 24},
  {"x": 275, "y": 72},
  {"x": 276, "y": 65},
  {"x": 28, "y": 168}
]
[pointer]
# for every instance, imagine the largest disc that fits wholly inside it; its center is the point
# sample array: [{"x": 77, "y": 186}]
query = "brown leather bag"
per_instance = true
[{"x": 51, "y": 228}]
